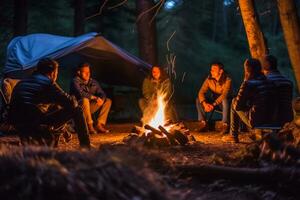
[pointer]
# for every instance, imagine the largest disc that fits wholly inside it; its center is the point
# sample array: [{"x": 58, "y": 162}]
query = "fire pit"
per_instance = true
[{"x": 157, "y": 131}]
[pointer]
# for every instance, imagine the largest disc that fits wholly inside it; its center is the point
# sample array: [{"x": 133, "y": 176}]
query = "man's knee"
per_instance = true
[
  {"x": 85, "y": 102},
  {"x": 108, "y": 101}
]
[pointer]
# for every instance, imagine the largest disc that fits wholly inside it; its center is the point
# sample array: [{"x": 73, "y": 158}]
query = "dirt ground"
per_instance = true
[{"x": 209, "y": 148}]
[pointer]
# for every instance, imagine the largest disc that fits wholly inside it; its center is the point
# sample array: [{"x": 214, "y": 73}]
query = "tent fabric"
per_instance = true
[
  {"x": 110, "y": 63},
  {"x": 23, "y": 52}
]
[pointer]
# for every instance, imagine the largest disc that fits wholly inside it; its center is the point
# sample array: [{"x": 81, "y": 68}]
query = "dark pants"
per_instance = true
[
  {"x": 235, "y": 118},
  {"x": 53, "y": 121}
]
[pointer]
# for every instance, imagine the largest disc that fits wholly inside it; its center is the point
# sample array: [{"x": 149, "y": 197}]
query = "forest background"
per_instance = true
[{"x": 197, "y": 32}]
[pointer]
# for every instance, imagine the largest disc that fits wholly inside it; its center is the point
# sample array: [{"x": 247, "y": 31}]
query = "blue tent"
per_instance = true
[{"x": 110, "y": 64}]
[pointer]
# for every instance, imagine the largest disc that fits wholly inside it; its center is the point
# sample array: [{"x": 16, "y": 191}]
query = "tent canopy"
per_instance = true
[{"x": 110, "y": 64}]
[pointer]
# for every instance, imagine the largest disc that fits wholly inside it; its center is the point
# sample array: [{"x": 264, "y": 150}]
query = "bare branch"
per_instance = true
[
  {"x": 99, "y": 12},
  {"x": 117, "y": 5},
  {"x": 157, "y": 10},
  {"x": 183, "y": 76},
  {"x": 147, "y": 11},
  {"x": 169, "y": 40}
]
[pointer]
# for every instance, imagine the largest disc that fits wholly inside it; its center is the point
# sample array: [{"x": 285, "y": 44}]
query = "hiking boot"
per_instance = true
[
  {"x": 91, "y": 129},
  {"x": 67, "y": 136},
  {"x": 224, "y": 129},
  {"x": 230, "y": 139},
  {"x": 203, "y": 126},
  {"x": 101, "y": 129}
]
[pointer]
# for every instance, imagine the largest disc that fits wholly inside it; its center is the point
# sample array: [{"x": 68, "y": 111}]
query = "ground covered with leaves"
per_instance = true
[{"x": 210, "y": 168}]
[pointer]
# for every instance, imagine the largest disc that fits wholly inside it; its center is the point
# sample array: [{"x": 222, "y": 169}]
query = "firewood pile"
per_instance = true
[
  {"x": 282, "y": 147},
  {"x": 168, "y": 135}
]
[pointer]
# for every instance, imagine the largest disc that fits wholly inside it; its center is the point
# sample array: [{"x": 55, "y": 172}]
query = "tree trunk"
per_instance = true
[
  {"x": 225, "y": 21},
  {"x": 257, "y": 44},
  {"x": 79, "y": 17},
  {"x": 146, "y": 31},
  {"x": 20, "y": 17},
  {"x": 275, "y": 24},
  {"x": 290, "y": 25}
]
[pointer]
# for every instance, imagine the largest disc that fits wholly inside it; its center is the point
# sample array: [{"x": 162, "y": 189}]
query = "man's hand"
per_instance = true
[
  {"x": 94, "y": 97},
  {"x": 74, "y": 101},
  {"x": 208, "y": 107},
  {"x": 100, "y": 101}
]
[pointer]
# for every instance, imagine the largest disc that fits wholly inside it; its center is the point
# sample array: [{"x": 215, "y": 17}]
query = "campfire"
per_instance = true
[{"x": 157, "y": 130}]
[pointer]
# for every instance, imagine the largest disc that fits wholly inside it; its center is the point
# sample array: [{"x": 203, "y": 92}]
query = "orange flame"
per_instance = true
[{"x": 159, "y": 116}]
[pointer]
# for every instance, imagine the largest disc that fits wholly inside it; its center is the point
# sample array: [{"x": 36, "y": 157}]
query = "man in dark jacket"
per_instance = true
[
  {"x": 38, "y": 102},
  {"x": 253, "y": 104},
  {"x": 92, "y": 97},
  {"x": 284, "y": 91},
  {"x": 219, "y": 84}
]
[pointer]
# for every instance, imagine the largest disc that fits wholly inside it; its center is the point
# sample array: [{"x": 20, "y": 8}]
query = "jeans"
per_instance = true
[
  {"x": 235, "y": 118},
  {"x": 224, "y": 106},
  {"x": 90, "y": 107}
]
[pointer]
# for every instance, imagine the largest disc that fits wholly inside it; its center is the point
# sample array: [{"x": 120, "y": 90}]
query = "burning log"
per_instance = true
[
  {"x": 156, "y": 138},
  {"x": 153, "y": 130},
  {"x": 171, "y": 137},
  {"x": 178, "y": 135}
]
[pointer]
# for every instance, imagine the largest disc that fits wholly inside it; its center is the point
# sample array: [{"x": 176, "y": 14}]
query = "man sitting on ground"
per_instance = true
[
  {"x": 253, "y": 104},
  {"x": 155, "y": 84},
  {"x": 38, "y": 102},
  {"x": 284, "y": 90},
  {"x": 93, "y": 99},
  {"x": 219, "y": 83}
]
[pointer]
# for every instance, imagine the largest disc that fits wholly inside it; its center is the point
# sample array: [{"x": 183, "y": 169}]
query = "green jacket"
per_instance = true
[
  {"x": 151, "y": 88},
  {"x": 221, "y": 88}
]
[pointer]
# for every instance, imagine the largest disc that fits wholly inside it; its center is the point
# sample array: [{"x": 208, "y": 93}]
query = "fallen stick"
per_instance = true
[{"x": 257, "y": 175}]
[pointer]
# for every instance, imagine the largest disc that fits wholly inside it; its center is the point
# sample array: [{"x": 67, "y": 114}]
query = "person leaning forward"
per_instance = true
[
  {"x": 219, "y": 83},
  {"x": 254, "y": 103},
  {"x": 89, "y": 93},
  {"x": 284, "y": 91},
  {"x": 38, "y": 101}
]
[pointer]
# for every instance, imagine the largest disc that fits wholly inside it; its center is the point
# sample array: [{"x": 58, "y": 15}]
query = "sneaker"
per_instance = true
[
  {"x": 91, "y": 129},
  {"x": 225, "y": 129},
  {"x": 101, "y": 129},
  {"x": 230, "y": 139},
  {"x": 202, "y": 126}
]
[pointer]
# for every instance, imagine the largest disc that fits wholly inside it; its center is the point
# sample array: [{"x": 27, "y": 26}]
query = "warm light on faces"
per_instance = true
[
  {"x": 85, "y": 73},
  {"x": 216, "y": 72},
  {"x": 156, "y": 73},
  {"x": 53, "y": 75}
]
